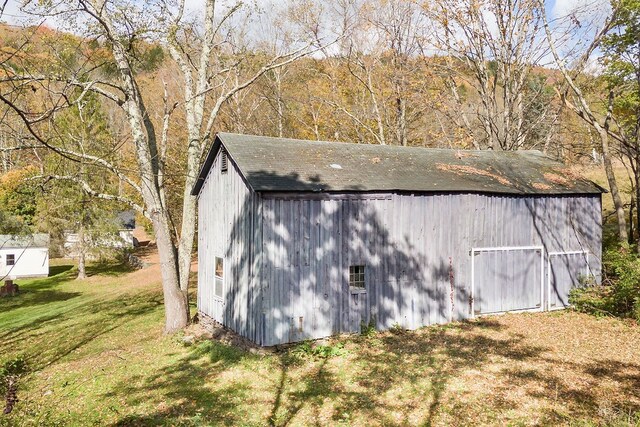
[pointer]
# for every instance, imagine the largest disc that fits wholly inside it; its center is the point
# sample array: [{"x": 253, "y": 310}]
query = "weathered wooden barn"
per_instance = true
[{"x": 306, "y": 239}]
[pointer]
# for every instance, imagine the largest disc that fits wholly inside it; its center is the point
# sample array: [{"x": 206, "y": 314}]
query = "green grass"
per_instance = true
[{"x": 96, "y": 355}]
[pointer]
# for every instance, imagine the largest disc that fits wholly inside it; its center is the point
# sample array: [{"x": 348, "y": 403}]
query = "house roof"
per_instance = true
[
  {"x": 291, "y": 165},
  {"x": 127, "y": 219},
  {"x": 8, "y": 241}
]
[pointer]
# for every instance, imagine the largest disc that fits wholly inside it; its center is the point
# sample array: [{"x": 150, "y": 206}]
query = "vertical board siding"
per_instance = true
[
  {"x": 229, "y": 226},
  {"x": 565, "y": 272},
  {"x": 416, "y": 249},
  {"x": 512, "y": 280},
  {"x": 287, "y": 258}
]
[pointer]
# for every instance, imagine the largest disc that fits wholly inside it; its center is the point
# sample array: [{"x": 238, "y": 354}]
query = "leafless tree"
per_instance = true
[
  {"x": 492, "y": 47},
  {"x": 208, "y": 61},
  {"x": 574, "y": 99}
]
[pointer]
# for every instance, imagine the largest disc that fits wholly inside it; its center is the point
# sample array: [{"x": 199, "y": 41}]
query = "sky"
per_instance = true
[
  {"x": 591, "y": 12},
  {"x": 555, "y": 8},
  {"x": 564, "y": 7}
]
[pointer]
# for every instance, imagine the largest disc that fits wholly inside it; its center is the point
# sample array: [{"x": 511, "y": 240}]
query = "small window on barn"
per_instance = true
[
  {"x": 219, "y": 277},
  {"x": 356, "y": 277},
  {"x": 11, "y": 259},
  {"x": 224, "y": 162}
]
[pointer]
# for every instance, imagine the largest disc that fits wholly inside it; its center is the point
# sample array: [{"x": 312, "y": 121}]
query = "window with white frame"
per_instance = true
[
  {"x": 219, "y": 278},
  {"x": 11, "y": 259}
]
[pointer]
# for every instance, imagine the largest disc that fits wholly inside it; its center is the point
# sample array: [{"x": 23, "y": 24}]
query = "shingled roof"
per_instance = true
[
  {"x": 291, "y": 165},
  {"x": 10, "y": 241}
]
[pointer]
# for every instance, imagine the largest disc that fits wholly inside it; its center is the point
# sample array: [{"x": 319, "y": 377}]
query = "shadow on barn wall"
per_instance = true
[
  {"x": 568, "y": 226},
  {"x": 308, "y": 245},
  {"x": 416, "y": 251}
]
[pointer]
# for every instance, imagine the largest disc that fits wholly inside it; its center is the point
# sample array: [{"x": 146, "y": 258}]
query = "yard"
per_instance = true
[{"x": 97, "y": 356}]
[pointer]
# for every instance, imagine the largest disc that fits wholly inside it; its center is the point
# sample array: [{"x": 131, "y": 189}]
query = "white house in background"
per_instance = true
[
  {"x": 124, "y": 222},
  {"x": 24, "y": 256}
]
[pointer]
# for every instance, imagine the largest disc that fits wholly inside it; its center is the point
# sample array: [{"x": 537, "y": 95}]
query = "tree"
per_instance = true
[
  {"x": 214, "y": 75},
  {"x": 65, "y": 208},
  {"x": 492, "y": 47},
  {"x": 208, "y": 62},
  {"x": 17, "y": 204},
  {"x": 621, "y": 59},
  {"x": 574, "y": 98},
  {"x": 82, "y": 226}
]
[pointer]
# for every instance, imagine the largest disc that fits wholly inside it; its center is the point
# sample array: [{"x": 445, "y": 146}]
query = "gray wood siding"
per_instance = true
[
  {"x": 287, "y": 256},
  {"x": 416, "y": 249},
  {"x": 229, "y": 227},
  {"x": 565, "y": 271}
]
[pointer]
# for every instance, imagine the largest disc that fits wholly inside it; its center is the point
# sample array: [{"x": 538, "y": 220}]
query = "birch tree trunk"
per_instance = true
[
  {"x": 207, "y": 74},
  {"x": 82, "y": 250},
  {"x": 623, "y": 236},
  {"x": 207, "y": 79},
  {"x": 146, "y": 148}
]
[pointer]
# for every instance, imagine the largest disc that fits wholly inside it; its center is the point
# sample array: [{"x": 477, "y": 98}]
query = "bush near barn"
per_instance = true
[{"x": 619, "y": 295}]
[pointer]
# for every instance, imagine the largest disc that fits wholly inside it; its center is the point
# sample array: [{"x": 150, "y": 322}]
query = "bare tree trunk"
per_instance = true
[
  {"x": 146, "y": 148},
  {"x": 175, "y": 300},
  {"x": 279, "y": 102},
  {"x": 613, "y": 184},
  {"x": 82, "y": 250},
  {"x": 584, "y": 111},
  {"x": 550, "y": 134},
  {"x": 189, "y": 212},
  {"x": 5, "y": 154},
  {"x": 631, "y": 209},
  {"x": 401, "y": 106},
  {"x": 466, "y": 123},
  {"x": 376, "y": 109},
  {"x": 636, "y": 173}
]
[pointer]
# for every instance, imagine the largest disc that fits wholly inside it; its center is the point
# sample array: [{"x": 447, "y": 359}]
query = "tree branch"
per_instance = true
[{"x": 91, "y": 192}]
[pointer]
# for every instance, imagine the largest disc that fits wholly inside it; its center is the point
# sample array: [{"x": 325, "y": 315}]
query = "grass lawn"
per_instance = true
[{"x": 97, "y": 356}]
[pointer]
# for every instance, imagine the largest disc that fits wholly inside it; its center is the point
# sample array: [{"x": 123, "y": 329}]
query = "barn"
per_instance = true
[{"x": 306, "y": 239}]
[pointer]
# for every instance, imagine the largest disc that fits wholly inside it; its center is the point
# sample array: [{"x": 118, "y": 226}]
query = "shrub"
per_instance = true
[
  {"x": 397, "y": 329},
  {"x": 368, "y": 329},
  {"x": 308, "y": 348},
  {"x": 620, "y": 293}
]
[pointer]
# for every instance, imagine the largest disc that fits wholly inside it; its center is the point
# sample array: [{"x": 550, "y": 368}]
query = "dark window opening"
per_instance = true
[
  {"x": 11, "y": 259},
  {"x": 356, "y": 276},
  {"x": 224, "y": 162},
  {"x": 219, "y": 277}
]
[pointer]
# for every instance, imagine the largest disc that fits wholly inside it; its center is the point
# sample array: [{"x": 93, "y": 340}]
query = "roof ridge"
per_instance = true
[{"x": 382, "y": 146}]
